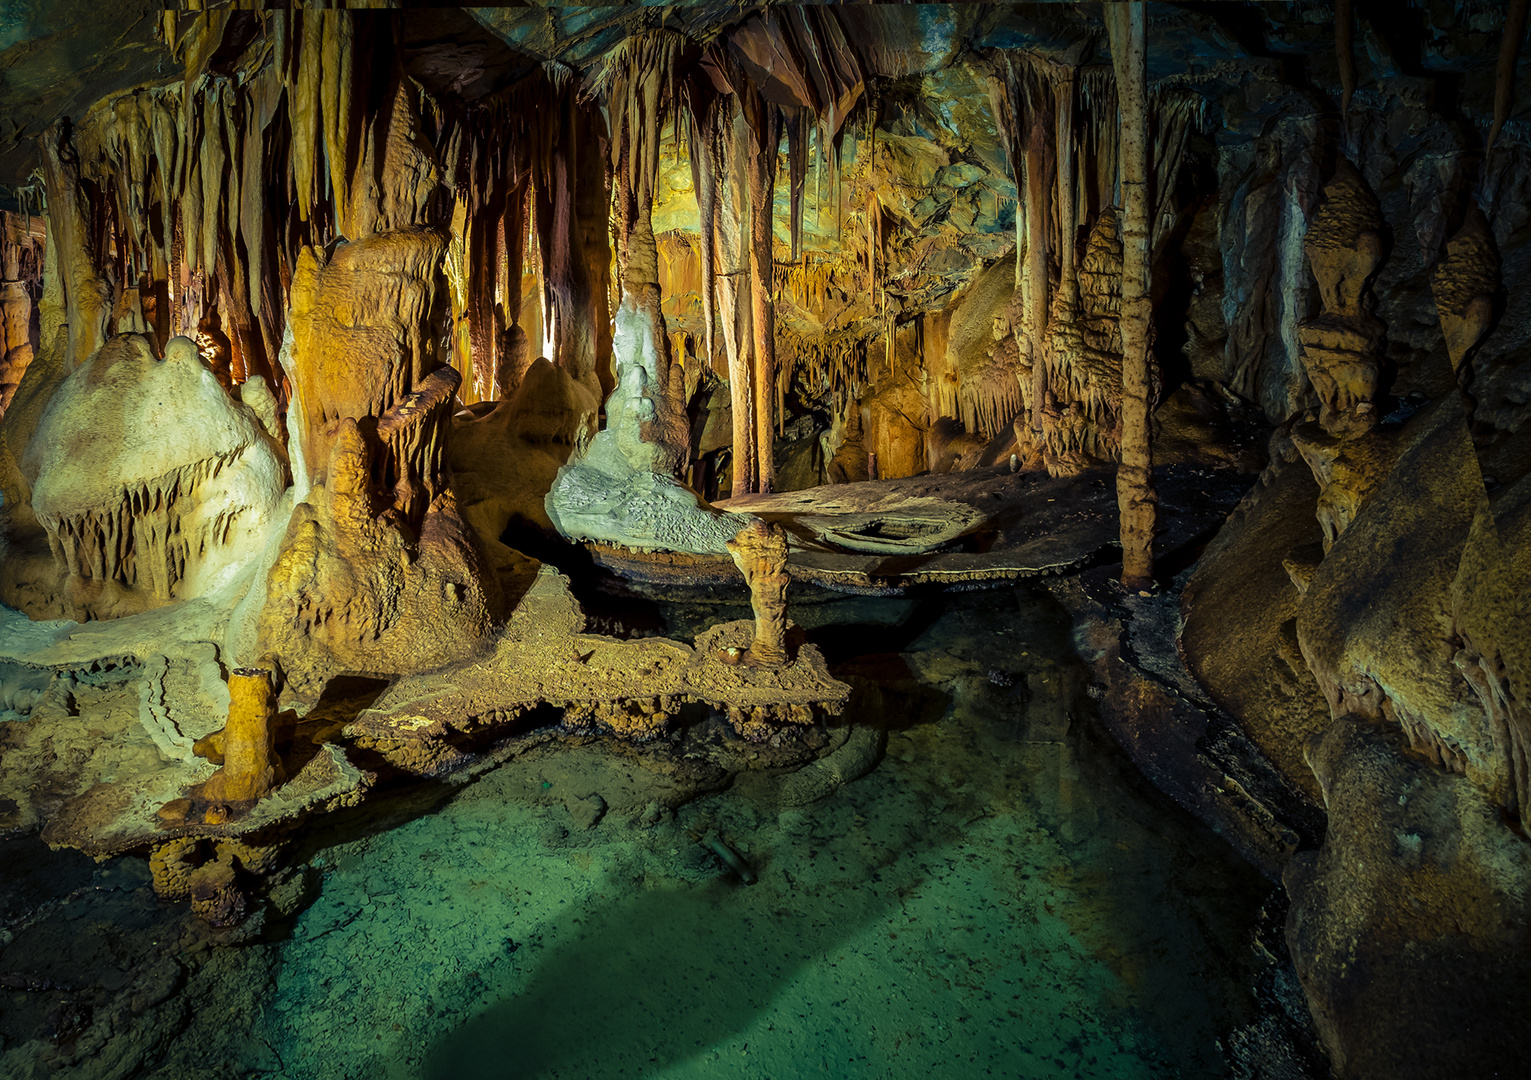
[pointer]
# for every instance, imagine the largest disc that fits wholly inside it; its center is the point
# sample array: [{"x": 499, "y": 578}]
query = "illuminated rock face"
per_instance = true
[
  {"x": 1465, "y": 284},
  {"x": 1342, "y": 348},
  {"x": 378, "y": 572},
  {"x": 153, "y": 485}
]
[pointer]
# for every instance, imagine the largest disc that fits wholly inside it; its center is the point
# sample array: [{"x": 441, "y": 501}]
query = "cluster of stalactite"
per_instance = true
[
  {"x": 1062, "y": 129},
  {"x": 146, "y": 540},
  {"x": 182, "y": 208},
  {"x": 21, "y": 280},
  {"x": 830, "y": 368},
  {"x": 786, "y": 71}
]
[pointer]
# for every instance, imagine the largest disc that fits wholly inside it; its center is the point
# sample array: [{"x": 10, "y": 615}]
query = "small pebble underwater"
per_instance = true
[{"x": 1001, "y": 895}]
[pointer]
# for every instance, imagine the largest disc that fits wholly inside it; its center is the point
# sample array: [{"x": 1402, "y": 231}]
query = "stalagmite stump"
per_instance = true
[
  {"x": 760, "y": 553},
  {"x": 250, "y": 765}
]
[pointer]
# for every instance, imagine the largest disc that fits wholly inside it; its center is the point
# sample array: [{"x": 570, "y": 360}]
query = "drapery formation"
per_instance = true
[
  {"x": 782, "y": 72},
  {"x": 182, "y": 208}
]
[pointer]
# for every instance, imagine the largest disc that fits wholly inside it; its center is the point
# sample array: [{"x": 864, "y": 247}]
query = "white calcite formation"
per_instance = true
[
  {"x": 612, "y": 492},
  {"x": 150, "y": 480}
]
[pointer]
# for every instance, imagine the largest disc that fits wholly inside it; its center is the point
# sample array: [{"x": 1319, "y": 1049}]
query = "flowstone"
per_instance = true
[{"x": 151, "y": 482}]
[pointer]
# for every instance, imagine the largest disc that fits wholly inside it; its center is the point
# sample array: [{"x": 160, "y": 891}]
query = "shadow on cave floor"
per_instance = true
[{"x": 1001, "y": 895}]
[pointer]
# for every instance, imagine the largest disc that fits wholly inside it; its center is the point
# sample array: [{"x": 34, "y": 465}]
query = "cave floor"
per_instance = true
[{"x": 1001, "y": 895}]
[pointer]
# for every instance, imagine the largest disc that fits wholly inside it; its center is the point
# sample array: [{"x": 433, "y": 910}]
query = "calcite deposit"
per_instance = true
[{"x": 151, "y": 483}]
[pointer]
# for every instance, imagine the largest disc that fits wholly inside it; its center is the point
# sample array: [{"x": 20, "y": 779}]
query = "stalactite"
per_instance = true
[
  {"x": 1504, "y": 76},
  {"x": 797, "y": 171},
  {"x": 558, "y": 162},
  {"x": 303, "y": 80},
  {"x": 1344, "y": 32},
  {"x": 736, "y": 317},
  {"x": 764, "y": 139},
  {"x": 74, "y": 251},
  {"x": 1136, "y": 498},
  {"x": 703, "y": 135},
  {"x": 1173, "y": 113},
  {"x": 1063, "y": 93}
]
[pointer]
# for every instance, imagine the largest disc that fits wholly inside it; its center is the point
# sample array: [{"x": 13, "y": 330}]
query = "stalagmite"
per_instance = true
[
  {"x": 250, "y": 766},
  {"x": 1083, "y": 418},
  {"x": 1136, "y": 498},
  {"x": 760, "y": 553},
  {"x": 1342, "y": 347}
]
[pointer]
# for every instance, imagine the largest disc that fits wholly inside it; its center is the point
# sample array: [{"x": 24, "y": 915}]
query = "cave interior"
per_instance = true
[{"x": 697, "y": 540}]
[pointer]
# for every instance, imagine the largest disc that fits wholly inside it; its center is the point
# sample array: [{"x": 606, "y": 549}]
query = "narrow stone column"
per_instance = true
[
  {"x": 1135, "y": 494},
  {"x": 760, "y": 553}
]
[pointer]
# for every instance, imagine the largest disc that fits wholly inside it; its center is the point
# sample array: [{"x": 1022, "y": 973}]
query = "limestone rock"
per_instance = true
[
  {"x": 1414, "y": 915},
  {"x": 1464, "y": 284},
  {"x": 586, "y": 810},
  {"x": 504, "y": 461},
  {"x": 1342, "y": 348}
]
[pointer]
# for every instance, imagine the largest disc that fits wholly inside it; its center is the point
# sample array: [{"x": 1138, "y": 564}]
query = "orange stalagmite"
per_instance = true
[
  {"x": 250, "y": 765},
  {"x": 760, "y": 553}
]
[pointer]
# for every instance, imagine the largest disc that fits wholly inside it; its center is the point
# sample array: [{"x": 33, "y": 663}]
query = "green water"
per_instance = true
[{"x": 1001, "y": 896}]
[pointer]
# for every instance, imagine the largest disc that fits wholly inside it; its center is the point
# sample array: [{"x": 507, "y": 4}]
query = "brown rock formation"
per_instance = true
[
  {"x": 760, "y": 553},
  {"x": 1342, "y": 347},
  {"x": 250, "y": 766},
  {"x": 1348, "y": 472},
  {"x": 1136, "y": 498},
  {"x": 377, "y": 559},
  {"x": 1082, "y": 418},
  {"x": 1412, "y": 917},
  {"x": 1465, "y": 284},
  {"x": 21, "y": 272}
]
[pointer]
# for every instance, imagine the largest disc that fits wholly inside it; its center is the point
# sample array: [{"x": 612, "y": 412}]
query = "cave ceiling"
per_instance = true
[{"x": 59, "y": 56}]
